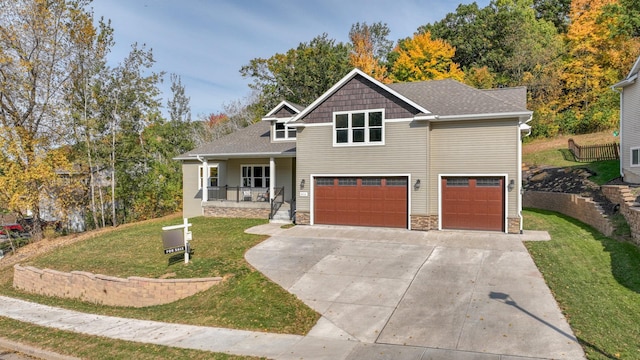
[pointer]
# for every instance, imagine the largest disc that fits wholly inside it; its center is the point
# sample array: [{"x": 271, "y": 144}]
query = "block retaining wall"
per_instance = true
[
  {"x": 620, "y": 194},
  {"x": 107, "y": 290},
  {"x": 577, "y": 207}
]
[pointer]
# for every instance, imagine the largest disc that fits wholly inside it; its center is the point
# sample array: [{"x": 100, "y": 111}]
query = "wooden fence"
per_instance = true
[{"x": 594, "y": 152}]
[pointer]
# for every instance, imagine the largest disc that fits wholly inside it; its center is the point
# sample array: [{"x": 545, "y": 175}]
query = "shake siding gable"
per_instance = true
[
  {"x": 473, "y": 148},
  {"x": 284, "y": 112},
  {"x": 360, "y": 94},
  {"x": 630, "y": 131}
]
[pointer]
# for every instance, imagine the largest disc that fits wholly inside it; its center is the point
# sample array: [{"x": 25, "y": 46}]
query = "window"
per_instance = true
[
  {"x": 635, "y": 157},
  {"x": 255, "y": 176},
  {"x": 488, "y": 182},
  {"x": 324, "y": 181},
  {"x": 359, "y": 128},
  {"x": 347, "y": 182},
  {"x": 397, "y": 181},
  {"x": 283, "y": 132},
  {"x": 371, "y": 181},
  {"x": 212, "y": 178},
  {"x": 457, "y": 182}
]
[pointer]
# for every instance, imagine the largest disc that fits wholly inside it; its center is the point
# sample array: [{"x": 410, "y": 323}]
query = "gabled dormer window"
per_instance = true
[
  {"x": 281, "y": 131},
  {"x": 358, "y": 128}
]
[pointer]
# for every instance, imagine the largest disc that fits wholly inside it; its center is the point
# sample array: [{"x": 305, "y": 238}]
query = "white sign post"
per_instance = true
[{"x": 186, "y": 236}]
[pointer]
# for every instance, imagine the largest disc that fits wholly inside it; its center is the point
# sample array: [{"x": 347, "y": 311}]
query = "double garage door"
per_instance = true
[
  {"x": 361, "y": 201},
  {"x": 468, "y": 203},
  {"x": 473, "y": 203}
]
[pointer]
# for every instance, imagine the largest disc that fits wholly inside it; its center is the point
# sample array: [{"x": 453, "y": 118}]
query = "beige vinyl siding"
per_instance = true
[
  {"x": 474, "y": 148},
  {"x": 191, "y": 195},
  {"x": 630, "y": 131},
  {"x": 284, "y": 172},
  {"x": 404, "y": 152}
]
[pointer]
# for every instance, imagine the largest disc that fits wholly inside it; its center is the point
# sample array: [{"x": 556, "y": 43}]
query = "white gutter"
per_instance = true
[
  {"x": 237, "y": 155},
  {"x": 518, "y": 114}
]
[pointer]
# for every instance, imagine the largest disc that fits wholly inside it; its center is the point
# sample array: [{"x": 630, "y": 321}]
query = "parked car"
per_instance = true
[{"x": 14, "y": 230}]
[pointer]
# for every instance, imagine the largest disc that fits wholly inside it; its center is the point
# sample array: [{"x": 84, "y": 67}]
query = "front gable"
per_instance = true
[{"x": 360, "y": 93}]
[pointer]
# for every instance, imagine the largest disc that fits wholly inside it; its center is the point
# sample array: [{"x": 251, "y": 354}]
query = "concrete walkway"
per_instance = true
[{"x": 383, "y": 294}]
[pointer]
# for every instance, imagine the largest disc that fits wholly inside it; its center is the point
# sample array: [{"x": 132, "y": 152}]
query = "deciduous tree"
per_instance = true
[{"x": 423, "y": 58}]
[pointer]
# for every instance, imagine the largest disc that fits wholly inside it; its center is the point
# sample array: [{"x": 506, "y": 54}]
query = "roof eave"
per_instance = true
[
  {"x": 237, "y": 155},
  {"x": 505, "y": 115},
  {"x": 626, "y": 82}
]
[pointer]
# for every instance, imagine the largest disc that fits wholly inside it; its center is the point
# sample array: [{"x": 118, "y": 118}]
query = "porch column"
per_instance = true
[
  {"x": 272, "y": 177},
  {"x": 205, "y": 180}
]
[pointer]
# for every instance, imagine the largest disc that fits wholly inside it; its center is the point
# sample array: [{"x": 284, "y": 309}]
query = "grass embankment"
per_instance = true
[
  {"x": 596, "y": 281},
  {"x": 555, "y": 153},
  {"x": 247, "y": 300}
]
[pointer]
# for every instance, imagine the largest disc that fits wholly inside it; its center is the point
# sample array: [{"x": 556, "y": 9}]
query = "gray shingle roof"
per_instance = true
[
  {"x": 450, "y": 98},
  {"x": 253, "y": 140}
]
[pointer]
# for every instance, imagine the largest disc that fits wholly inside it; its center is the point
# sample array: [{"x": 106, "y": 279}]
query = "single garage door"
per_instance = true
[
  {"x": 473, "y": 203},
  {"x": 361, "y": 201}
]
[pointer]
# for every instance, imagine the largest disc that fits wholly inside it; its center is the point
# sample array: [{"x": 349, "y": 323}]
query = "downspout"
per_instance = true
[
  {"x": 619, "y": 91},
  {"x": 520, "y": 188}
]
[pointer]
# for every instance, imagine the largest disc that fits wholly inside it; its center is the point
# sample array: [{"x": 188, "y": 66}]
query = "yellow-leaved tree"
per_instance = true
[
  {"x": 596, "y": 59},
  {"x": 38, "y": 51},
  {"x": 423, "y": 58}
]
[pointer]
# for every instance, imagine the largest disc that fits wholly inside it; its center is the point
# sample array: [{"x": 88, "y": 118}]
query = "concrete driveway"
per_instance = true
[{"x": 459, "y": 295}]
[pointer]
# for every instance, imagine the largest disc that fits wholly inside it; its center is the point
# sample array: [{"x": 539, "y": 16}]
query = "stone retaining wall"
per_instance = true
[
  {"x": 621, "y": 194},
  {"x": 230, "y": 212},
  {"x": 577, "y": 207},
  {"x": 107, "y": 290}
]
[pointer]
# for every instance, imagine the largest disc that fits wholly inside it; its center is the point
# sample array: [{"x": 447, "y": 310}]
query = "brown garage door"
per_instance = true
[
  {"x": 473, "y": 203},
  {"x": 361, "y": 201}
]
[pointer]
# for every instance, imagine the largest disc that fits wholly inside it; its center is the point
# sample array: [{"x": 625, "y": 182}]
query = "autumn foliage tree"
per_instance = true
[
  {"x": 370, "y": 49},
  {"x": 38, "y": 45},
  {"x": 423, "y": 58}
]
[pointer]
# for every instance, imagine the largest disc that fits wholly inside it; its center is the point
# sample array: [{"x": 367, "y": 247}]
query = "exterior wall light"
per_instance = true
[
  {"x": 302, "y": 184},
  {"x": 416, "y": 186},
  {"x": 512, "y": 184}
]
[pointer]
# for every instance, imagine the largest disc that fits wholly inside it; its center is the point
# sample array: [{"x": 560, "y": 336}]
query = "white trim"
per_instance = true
[
  {"x": 366, "y": 128},
  {"x": 312, "y": 184},
  {"x": 286, "y": 130},
  {"x": 399, "y": 120},
  {"x": 301, "y": 125},
  {"x": 265, "y": 175},
  {"x": 201, "y": 173},
  {"x": 344, "y": 80},
  {"x": 517, "y": 114},
  {"x": 280, "y": 106},
  {"x": 506, "y": 194},
  {"x": 238, "y": 155},
  {"x": 631, "y": 164}
]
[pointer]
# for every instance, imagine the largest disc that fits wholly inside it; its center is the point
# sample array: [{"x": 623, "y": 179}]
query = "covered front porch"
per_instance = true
[{"x": 241, "y": 187}]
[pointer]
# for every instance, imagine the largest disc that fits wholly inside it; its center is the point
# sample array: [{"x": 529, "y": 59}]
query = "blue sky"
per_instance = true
[{"x": 206, "y": 42}]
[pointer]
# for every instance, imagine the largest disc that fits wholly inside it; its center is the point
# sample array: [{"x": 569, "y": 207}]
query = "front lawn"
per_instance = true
[
  {"x": 596, "y": 281},
  {"x": 247, "y": 300}
]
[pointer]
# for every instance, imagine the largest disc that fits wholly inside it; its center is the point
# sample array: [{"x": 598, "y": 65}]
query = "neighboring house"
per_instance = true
[
  {"x": 629, "y": 91},
  {"x": 422, "y": 156}
]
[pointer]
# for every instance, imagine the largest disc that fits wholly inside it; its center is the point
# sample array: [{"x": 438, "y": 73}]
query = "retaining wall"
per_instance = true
[
  {"x": 107, "y": 290},
  {"x": 577, "y": 207},
  {"x": 621, "y": 194}
]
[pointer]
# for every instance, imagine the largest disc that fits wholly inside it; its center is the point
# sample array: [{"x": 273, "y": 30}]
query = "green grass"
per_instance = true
[
  {"x": 247, "y": 300},
  {"x": 596, "y": 281},
  {"x": 606, "y": 170},
  {"x": 94, "y": 347}
]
